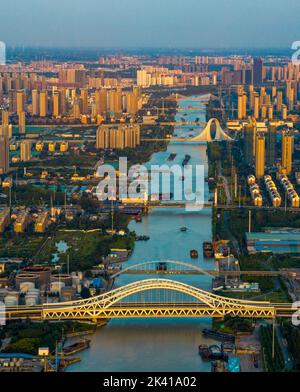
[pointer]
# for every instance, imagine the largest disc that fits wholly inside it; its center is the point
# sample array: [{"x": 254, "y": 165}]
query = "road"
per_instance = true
[{"x": 287, "y": 359}]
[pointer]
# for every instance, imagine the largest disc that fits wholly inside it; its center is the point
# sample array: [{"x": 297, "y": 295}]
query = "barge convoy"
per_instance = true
[
  {"x": 221, "y": 336},
  {"x": 172, "y": 156},
  {"x": 186, "y": 160},
  {"x": 208, "y": 250},
  {"x": 76, "y": 347}
]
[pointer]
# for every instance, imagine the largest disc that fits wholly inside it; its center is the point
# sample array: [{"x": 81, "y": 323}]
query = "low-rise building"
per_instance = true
[
  {"x": 22, "y": 221},
  {"x": 51, "y": 147},
  {"x": 275, "y": 242},
  {"x": 64, "y": 146},
  {"x": 41, "y": 222},
  {"x": 7, "y": 182},
  {"x": 4, "y": 219}
]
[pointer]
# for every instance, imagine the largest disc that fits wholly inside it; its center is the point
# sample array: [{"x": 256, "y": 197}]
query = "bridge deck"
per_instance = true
[
  {"x": 208, "y": 272},
  {"x": 155, "y": 309}
]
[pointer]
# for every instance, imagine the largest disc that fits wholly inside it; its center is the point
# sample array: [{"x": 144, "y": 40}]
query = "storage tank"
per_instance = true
[
  {"x": 41, "y": 272},
  {"x": 34, "y": 292},
  {"x": 11, "y": 300},
  {"x": 65, "y": 278},
  {"x": 31, "y": 300},
  {"x": 56, "y": 287},
  {"x": 68, "y": 293},
  {"x": 26, "y": 286},
  {"x": 25, "y": 278}
]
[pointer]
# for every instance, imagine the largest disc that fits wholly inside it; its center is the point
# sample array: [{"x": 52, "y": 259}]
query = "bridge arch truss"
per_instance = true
[{"x": 111, "y": 305}]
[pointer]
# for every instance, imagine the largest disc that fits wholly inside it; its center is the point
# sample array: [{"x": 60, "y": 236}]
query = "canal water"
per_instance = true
[{"x": 161, "y": 344}]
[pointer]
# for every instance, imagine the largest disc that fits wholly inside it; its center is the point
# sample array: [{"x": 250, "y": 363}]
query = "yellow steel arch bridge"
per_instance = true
[{"x": 115, "y": 304}]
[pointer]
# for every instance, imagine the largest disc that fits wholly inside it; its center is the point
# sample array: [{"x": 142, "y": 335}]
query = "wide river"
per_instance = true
[{"x": 161, "y": 344}]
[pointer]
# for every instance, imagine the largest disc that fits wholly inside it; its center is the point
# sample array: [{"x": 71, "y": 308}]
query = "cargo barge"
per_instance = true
[
  {"x": 76, "y": 347},
  {"x": 172, "y": 156},
  {"x": 161, "y": 266},
  {"x": 208, "y": 250},
  {"x": 142, "y": 238},
  {"x": 212, "y": 353},
  {"x": 223, "y": 337},
  {"x": 186, "y": 160}
]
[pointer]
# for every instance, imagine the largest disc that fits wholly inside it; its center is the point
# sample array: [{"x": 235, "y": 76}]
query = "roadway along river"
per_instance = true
[{"x": 161, "y": 344}]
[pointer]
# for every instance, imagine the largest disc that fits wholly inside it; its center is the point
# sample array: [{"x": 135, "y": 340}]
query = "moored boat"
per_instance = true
[
  {"x": 77, "y": 347},
  {"x": 208, "y": 250},
  {"x": 224, "y": 337},
  {"x": 172, "y": 156}
]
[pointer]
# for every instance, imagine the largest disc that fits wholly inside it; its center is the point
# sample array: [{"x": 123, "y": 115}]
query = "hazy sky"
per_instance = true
[{"x": 150, "y": 23}]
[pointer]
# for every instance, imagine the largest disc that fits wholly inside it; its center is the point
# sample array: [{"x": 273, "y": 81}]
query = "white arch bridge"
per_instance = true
[
  {"x": 173, "y": 267},
  {"x": 194, "y": 302},
  {"x": 204, "y": 136}
]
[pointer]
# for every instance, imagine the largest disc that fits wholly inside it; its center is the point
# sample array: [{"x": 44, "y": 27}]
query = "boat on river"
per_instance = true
[
  {"x": 172, "y": 156},
  {"x": 161, "y": 266},
  {"x": 76, "y": 347},
  {"x": 186, "y": 159},
  {"x": 142, "y": 238},
  {"x": 208, "y": 250},
  {"x": 224, "y": 337}
]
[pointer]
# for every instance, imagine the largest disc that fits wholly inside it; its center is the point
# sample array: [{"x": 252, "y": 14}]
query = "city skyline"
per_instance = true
[{"x": 147, "y": 24}]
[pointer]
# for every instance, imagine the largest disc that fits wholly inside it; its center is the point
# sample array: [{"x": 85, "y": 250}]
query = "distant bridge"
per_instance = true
[
  {"x": 205, "y": 206},
  {"x": 206, "y": 136},
  {"x": 174, "y": 267}
]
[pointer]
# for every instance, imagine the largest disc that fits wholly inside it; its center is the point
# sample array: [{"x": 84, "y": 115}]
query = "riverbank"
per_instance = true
[{"x": 27, "y": 337}]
